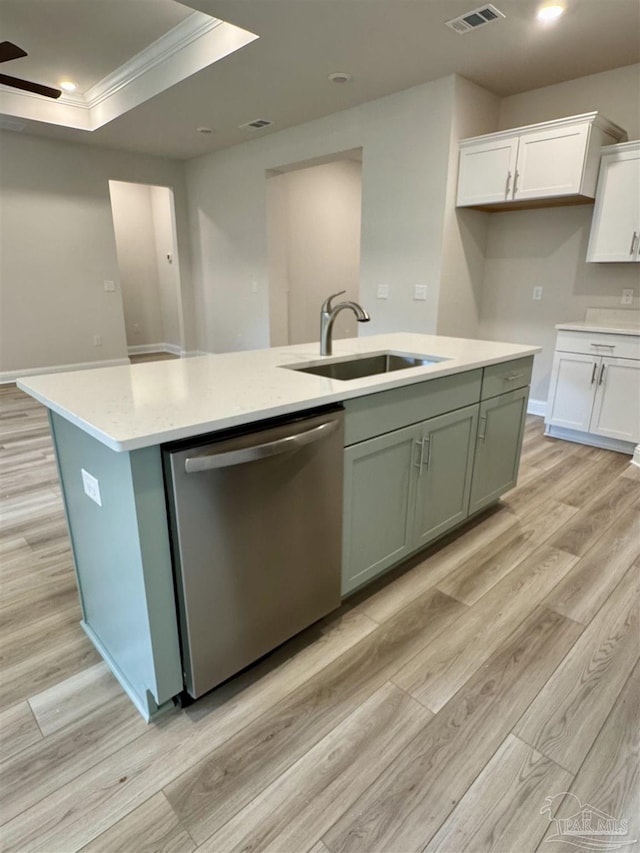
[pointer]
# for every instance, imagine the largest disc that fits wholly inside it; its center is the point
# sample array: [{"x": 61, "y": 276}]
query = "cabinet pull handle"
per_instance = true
[
  {"x": 593, "y": 372},
  {"x": 513, "y": 376},
  {"x": 633, "y": 243},
  {"x": 482, "y": 430},
  {"x": 428, "y": 440},
  {"x": 515, "y": 183},
  {"x": 603, "y": 346},
  {"x": 506, "y": 191},
  {"x": 420, "y": 462},
  {"x": 601, "y": 374}
]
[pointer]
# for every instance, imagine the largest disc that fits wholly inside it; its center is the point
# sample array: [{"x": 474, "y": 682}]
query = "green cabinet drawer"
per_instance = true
[
  {"x": 508, "y": 376},
  {"x": 376, "y": 414}
]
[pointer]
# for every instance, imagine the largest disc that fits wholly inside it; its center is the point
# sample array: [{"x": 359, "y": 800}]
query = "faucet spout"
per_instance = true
[{"x": 328, "y": 314}]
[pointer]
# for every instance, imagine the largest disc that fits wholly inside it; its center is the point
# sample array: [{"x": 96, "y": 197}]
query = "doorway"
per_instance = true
[
  {"x": 313, "y": 226},
  {"x": 148, "y": 266}
]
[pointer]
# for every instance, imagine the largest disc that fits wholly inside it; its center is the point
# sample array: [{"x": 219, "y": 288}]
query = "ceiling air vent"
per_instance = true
[
  {"x": 256, "y": 124},
  {"x": 475, "y": 19}
]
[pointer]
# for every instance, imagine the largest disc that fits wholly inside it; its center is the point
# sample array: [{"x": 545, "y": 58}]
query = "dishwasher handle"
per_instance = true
[{"x": 211, "y": 460}]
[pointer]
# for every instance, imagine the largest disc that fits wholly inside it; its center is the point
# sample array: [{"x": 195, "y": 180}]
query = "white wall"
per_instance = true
[
  {"x": 315, "y": 213},
  {"x": 58, "y": 247},
  {"x": 167, "y": 269},
  {"x": 548, "y": 246},
  {"x": 405, "y": 141}
]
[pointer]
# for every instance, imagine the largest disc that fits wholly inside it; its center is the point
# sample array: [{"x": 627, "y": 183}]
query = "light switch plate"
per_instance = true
[
  {"x": 383, "y": 291},
  {"x": 91, "y": 487},
  {"x": 627, "y": 297},
  {"x": 537, "y": 293},
  {"x": 109, "y": 286},
  {"x": 420, "y": 292}
]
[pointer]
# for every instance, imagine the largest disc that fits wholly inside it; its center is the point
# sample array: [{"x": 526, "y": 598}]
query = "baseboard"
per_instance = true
[
  {"x": 8, "y": 376},
  {"x": 636, "y": 456},
  {"x": 145, "y": 349},
  {"x": 537, "y": 407},
  {"x": 591, "y": 439}
]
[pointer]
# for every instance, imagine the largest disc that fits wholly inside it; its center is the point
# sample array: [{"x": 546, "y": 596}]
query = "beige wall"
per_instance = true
[
  {"x": 58, "y": 248},
  {"x": 548, "y": 246},
  {"x": 405, "y": 142},
  {"x": 168, "y": 269},
  {"x": 315, "y": 213}
]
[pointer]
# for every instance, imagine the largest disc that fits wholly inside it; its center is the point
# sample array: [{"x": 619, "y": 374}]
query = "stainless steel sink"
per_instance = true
[{"x": 357, "y": 367}]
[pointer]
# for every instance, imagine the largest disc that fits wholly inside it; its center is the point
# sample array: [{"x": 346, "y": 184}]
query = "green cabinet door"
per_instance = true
[
  {"x": 444, "y": 477},
  {"x": 378, "y": 504},
  {"x": 500, "y": 428}
]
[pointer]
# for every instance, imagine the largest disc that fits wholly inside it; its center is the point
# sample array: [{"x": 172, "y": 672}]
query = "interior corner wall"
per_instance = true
[
  {"x": 464, "y": 241},
  {"x": 321, "y": 212},
  {"x": 548, "y": 246},
  {"x": 58, "y": 248},
  {"x": 405, "y": 143}
]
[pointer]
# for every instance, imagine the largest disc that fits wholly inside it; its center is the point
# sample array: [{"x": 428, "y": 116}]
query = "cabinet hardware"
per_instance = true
[
  {"x": 633, "y": 243},
  {"x": 513, "y": 376},
  {"x": 482, "y": 428},
  {"x": 515, "y": 183},
  {"x": 593, "y": 372},
  {"x": 420, "y": 462},
  {"x": 428, "y": 440},
  {"x": 603, "y": 346},
  {"x": 601, "y": 374},
  {"x": 506, "y": 191}
]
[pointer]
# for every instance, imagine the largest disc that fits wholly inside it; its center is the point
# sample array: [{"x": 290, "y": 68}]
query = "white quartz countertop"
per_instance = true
[
  {"x": 129, "y": 407},
  {"x": 610, "y": 328}
]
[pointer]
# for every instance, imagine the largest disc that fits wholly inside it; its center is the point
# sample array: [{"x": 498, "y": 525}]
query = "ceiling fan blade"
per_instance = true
[
  {"x": 28, "y": 86},
  {"x": 9, "y": 50}
]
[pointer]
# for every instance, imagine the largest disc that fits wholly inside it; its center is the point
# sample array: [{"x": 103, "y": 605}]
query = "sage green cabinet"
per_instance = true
[
  {"x": 402, "y": 490},
  {"x": 498, "y": 444}
]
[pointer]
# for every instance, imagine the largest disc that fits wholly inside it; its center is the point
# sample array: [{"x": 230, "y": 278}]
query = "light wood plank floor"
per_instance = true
[{"x": 459, "y": 704}]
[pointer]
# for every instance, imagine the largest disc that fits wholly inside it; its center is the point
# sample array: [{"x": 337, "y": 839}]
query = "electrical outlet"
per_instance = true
[
  {"x": 97, "y": 340},
  {"x": 109, "y": 286},
  {"x": 627, "y": 297},
  {"x": 537, "y": 293},
  {"x": 420, "y": 292},
  {"x": 91, "y": 487},
  {"x": 383, "y": 291}
]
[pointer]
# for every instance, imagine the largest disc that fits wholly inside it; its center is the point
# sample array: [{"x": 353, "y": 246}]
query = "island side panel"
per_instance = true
[{"x": 123, "y": 562}]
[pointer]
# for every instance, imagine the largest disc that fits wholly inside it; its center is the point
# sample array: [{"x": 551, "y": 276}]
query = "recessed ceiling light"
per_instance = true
[
  {"x": 68, "y": 86},
  {"x": 340, "y": 77},
  {"x": 549, "y": 13},
  {"x": 205, "y": 130}
]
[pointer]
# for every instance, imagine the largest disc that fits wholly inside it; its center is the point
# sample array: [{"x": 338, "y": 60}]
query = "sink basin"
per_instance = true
[{"x": 357, "y": 367}]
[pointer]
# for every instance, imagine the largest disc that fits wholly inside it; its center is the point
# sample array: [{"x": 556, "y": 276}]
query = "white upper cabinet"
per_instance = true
[
  {"x": 551, "y": 163},
  {"x": 615, "y": 227}
]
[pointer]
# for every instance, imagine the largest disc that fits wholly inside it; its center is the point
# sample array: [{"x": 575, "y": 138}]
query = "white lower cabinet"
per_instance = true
[{"x": 595, "y": 395}]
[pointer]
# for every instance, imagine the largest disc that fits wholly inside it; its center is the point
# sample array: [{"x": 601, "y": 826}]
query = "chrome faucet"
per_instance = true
[{"x": 328, "y": 314}]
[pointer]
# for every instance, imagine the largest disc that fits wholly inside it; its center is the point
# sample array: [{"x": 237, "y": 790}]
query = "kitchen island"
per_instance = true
[{"x": 109, "y": 427}]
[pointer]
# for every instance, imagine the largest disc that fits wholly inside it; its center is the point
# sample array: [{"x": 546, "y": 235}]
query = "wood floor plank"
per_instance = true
[
  {"x": 151, "y": 828},
  {"x": 589, "y": 523},
  {"x": 245, "y": 765},
  {"x": 609, "y": 778},
  {"x": 597, "y": 474},
  {"x": 37, "y": 771},
  {"x": 77, "y": 812},
  {"x": 18, "y": 730},
  {"x": 566, "y": 717},
  {"x": 480, "y": 572},
  {"x": 303, "y": 803},
  {"x": 435, "y": 674},
  {"x": 582, "y": 592},
  {"x": 72, "y": 699},
  {"x": 403, "y": 809},
  {"x": 384, "y": 603},
  {"x": 501, "y": 810}
]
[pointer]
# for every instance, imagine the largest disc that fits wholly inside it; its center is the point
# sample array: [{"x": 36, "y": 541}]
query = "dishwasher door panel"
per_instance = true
[{"x": 256, "y": 541}]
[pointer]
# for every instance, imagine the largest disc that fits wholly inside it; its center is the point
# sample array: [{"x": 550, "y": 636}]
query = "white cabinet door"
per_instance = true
[
  {"x": 486, "y": 171},
  {"x": 551, "y": 162},
  {"x": 616, "y": 410},
  {"x": 615, "y": 228},
  {"x": 572, "y": 390}
]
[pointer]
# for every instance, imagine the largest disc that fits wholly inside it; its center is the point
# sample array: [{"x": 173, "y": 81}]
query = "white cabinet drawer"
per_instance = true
[{"x": 599, "y": 343}]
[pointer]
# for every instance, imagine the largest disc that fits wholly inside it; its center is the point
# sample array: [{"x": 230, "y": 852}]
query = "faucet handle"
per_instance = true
[{"x": 326, "y": 305}]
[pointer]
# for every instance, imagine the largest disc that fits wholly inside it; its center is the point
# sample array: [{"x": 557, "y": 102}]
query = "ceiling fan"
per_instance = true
[{"x": 8, "y": 51}]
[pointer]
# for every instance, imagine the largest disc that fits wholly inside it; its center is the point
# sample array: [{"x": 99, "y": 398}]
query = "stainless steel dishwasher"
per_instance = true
[{"x": 256, "y": 530}]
